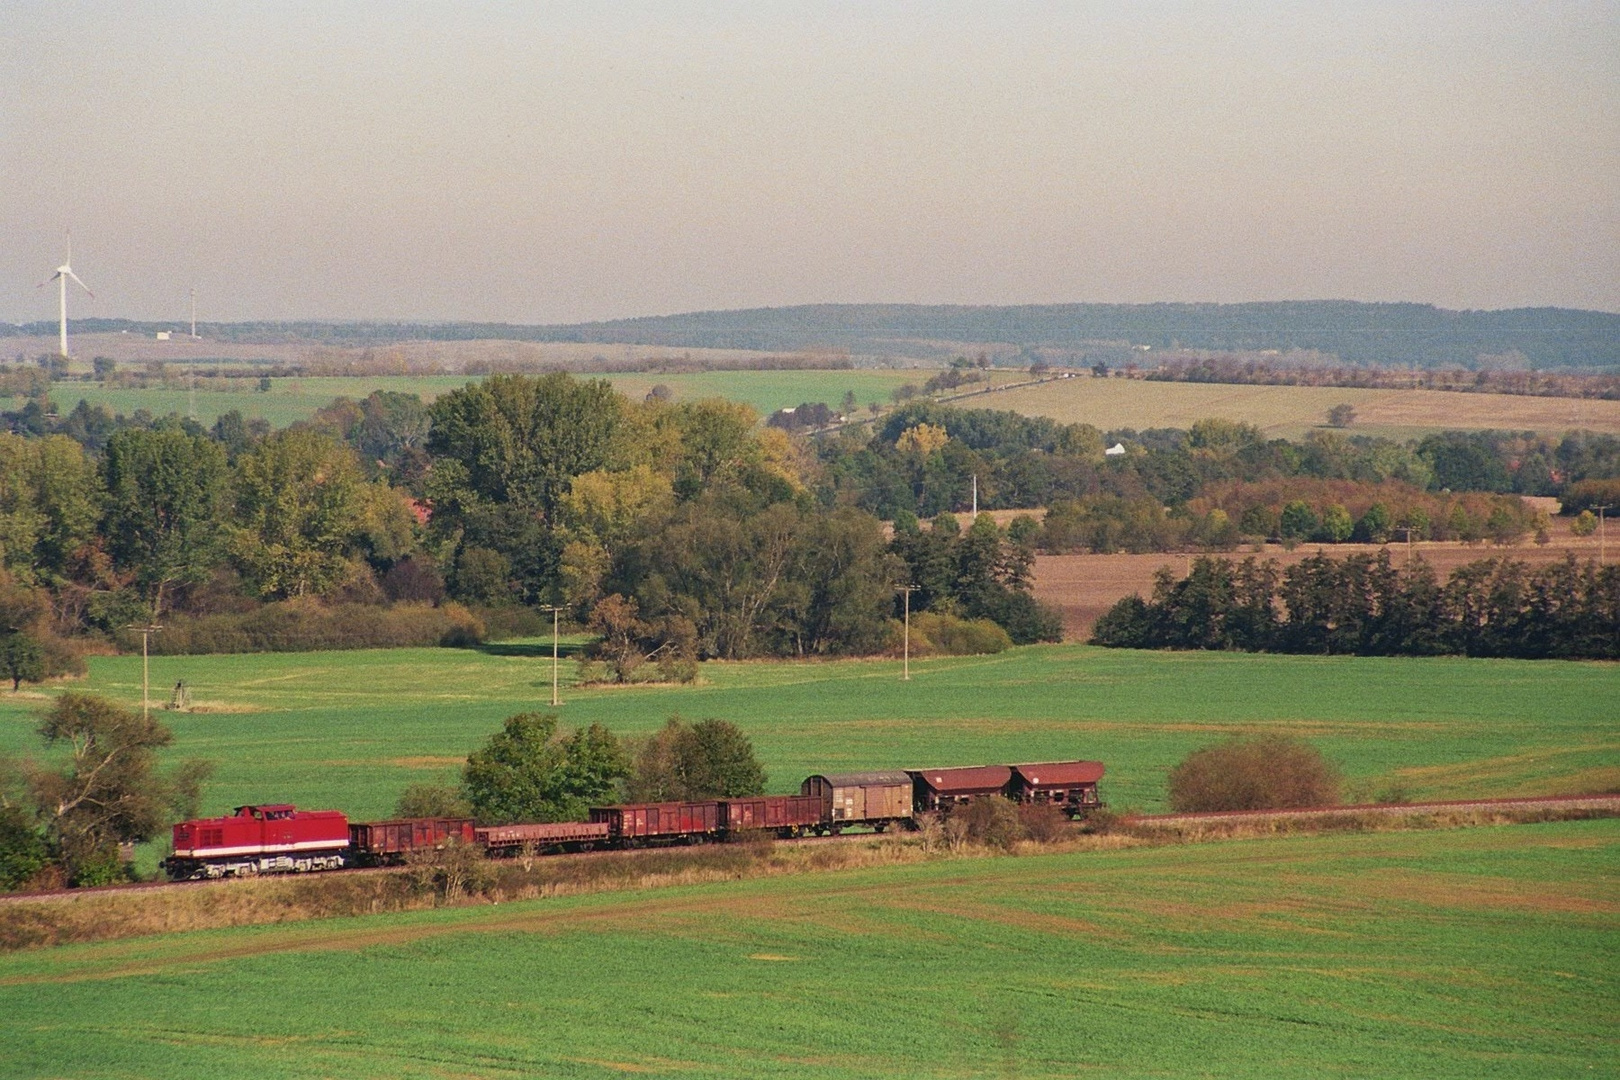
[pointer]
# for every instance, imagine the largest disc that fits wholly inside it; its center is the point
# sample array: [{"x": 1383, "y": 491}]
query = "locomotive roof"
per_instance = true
[
  {"x": 866, "y": 779},
  {"x": 1060, "y": 773}
]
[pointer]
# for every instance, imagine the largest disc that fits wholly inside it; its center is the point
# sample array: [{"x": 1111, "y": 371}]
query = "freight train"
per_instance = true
[{"x": 279, "y": 838}]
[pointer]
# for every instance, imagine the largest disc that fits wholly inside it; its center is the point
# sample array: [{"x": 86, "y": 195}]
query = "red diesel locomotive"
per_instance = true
[
  {"x": 281, "y": 839},
  {"x": 274, "y": 839}
]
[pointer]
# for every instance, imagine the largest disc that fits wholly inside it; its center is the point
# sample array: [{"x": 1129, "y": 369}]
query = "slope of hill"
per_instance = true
[{"x": 1415, "y": 335}]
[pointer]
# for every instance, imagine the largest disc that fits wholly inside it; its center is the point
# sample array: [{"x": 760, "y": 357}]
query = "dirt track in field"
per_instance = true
[{"x": 1082, "y": 587}]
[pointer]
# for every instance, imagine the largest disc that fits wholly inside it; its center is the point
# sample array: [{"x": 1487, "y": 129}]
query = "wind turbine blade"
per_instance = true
[
  {"x": 48, "y": 280},
  {"x": 82, "y": 285}
]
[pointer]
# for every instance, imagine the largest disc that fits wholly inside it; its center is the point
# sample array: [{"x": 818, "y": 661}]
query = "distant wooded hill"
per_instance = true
[{"x": 1416, "y": 335}]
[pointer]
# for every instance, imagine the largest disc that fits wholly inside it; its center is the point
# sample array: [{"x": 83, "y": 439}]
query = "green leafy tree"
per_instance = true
[
  {"x": 49, "y": 497},
  {"x": 521, "y": 440},
  {"x": 529, "y": 771},
  {"x": 21, "y": 658},
  {"x": 505, "y": 453},
  {"x": 711, "y": 759},
  {"x": 1337, "y": 525},
  {"x": 431, "y": 800},
  {"x": 1298, "y": 521},
  {"x": 109, "y": 789},
  {"x": 299, "y": 504},
  {"x": 165, "y": 496},
  {"x": 1376, "y": 525}
]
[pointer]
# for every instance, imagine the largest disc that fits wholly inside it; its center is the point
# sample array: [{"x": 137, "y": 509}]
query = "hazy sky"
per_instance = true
[{"x": 537, "y": 162}]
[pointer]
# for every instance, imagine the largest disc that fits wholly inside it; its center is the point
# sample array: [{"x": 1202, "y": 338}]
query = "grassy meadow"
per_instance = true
[
  {"x": 289, "y": 400},
  {"x": 1280, "y": 411},
  {"x": 1472, "y": 953},
  {"x": 351, "y": 729}
]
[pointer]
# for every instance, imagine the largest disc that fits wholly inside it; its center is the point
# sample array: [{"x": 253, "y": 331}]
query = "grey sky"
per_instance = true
[{"x": 572, "y": 161}]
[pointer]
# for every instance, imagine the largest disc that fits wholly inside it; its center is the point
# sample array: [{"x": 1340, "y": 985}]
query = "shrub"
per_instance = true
[
  {"x": 1044, "y": 823},
  {"x": 1261, "y": 772},
  {"x": 990, "y": 820},
  {"x": 451, "y": 872},
  {"x": 303, "y": 625},
  {"x": 935, "y": 634}
]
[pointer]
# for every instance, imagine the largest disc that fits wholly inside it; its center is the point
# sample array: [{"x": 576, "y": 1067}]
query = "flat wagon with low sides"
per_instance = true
[
  {"x": 543, "y": 838},
  {"x": 875, "y": 799}
]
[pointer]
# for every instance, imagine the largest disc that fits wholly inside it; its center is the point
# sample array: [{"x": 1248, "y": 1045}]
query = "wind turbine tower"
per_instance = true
[{"x": 61, "y": 276}]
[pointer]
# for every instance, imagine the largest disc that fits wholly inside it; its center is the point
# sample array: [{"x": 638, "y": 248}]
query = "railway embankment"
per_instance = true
[{"x": 75, "y": 916}]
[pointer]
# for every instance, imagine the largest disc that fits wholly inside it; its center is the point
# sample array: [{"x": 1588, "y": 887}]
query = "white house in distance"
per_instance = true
[{"x": 1117, "y": 450}]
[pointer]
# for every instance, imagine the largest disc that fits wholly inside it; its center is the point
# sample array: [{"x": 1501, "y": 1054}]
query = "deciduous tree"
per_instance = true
[
  {"x": 529, "y": 771},
  {"x": 165, "y": 501}
]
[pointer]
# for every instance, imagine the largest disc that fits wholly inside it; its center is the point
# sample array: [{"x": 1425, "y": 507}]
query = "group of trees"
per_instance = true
[
  {"x": 531, "y": 770},
  {"x": 983, "y": 573},
  {"x": 1365, "y": 605},
  {"x": 681, "y": 530},
  {"x": 1020, "y": 461},
  {"x": 678, "y": 530},
  {"x": 1219, "y": 484}
]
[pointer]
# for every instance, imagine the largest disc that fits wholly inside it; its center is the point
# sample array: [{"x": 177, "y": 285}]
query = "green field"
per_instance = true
[
  {"x": 351, "y": 729},
  {"x": 1484, "y": 952},
  {"x": 288, "y": 400}
]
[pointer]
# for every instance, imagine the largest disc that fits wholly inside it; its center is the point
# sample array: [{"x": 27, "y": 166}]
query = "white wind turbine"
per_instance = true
[{"x": 61, "y": 276}]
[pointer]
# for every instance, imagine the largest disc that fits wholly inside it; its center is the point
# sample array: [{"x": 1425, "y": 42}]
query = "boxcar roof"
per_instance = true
[
  {"x": 977, "y": 778},
  {"x": 866, "y": 779},
  {"x": 1060, "y": 773}
]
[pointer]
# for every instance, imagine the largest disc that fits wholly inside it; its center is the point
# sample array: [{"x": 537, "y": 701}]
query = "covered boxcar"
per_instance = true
[
  {"x": 941, "y": 789},
  {"x": 541, "y": 837},
  {"x": 384, "y": 843},
  {"x": 784, "y": 815},
  {"x": 272, "y": 839},
  {"x": 634, "y": 824},
  {"x": 1071, "y": 786},
  {"x": 878, "y": 799}
]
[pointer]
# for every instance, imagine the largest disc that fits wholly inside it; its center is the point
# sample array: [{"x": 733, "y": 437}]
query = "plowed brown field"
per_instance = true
[{"x": 1085, "y": 586}]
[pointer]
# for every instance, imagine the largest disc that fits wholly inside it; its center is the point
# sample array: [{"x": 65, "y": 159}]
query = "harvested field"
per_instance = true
[
  {"x": 1082, "y": 587},
  {"x": 1290, "y": 411}
]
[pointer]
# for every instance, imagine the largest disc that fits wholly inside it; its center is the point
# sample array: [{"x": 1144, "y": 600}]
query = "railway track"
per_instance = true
[{"x": 1568, "y": 802}]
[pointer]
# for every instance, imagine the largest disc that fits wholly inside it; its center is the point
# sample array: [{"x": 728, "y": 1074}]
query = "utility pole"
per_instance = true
[
  {"x": 1407, "y": 530},
  {"x": 975, "y": 496},
  {"x": 554, "y": 611},
  {"x": 1603, "y": 534},
  {"x": 146, "y": 633},
  {"x": 907, "y": 590}
]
